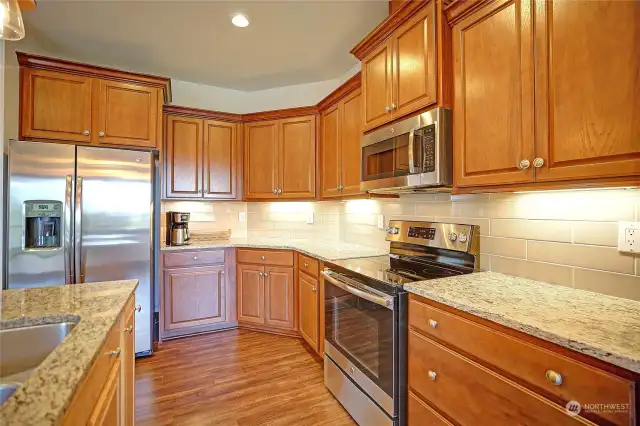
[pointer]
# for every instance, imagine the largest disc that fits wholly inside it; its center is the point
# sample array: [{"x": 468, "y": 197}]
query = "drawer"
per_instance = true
[
  {"x": 420, "y": 414},
  {"x": 579, "y": 382},
  {"x": 193, "y": 258},
  {"x": 309, "y": 265},
  {"x": 473, "y": 395},
  {"x": 266, "y": 257}
]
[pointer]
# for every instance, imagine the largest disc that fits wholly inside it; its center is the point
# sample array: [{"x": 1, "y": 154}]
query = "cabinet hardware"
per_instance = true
[
  {"x": 387, "y": 109},
  {"x": 553, "y": 377},
  {"x": 115, "y": 353},
  {"x": 393, "y": 106},
  {"x": 351, "y": 370},
  {"x": 138, "y": 308},
  {"x": 221, "y": 272},
  {"x": 392, "y": 130},
  {"x": 306, "y": 265},
  {"x": 524, "y": 164},
  {"x": 129, "y": 329},
  {"x": 313, "y": 289},
  {"x": 101, "y": 134},
  {"x": 279, "y": 191},
  {"x": 433, "y": 323},
  {"x": 275, "y": 191},
  {"x": 195, "y": 257},
  {"x": 86, "y": 133},
  {"x": 432, "y": 375},
  {"x": 262, "y": 257},
  {"x": 538, "y": 162}
]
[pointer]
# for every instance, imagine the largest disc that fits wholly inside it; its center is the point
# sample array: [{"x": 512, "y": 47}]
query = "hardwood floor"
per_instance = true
[{"x": 235, "y": 377}]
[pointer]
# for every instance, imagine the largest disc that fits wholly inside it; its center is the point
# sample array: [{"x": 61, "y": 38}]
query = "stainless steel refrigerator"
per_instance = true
[{"x": 79, "y": 214}]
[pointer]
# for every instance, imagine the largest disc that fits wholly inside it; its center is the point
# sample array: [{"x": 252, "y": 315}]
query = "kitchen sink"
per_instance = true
[{"x": 22, "y": 350}]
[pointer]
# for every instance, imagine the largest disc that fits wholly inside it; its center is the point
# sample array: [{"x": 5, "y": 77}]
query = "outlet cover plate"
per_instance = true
[
  {"x": 380, "y": 221},
  {"x": 310, "y": 218},
  {"x": 242, "y": 216},
  {"x": 629, "y": 237}
]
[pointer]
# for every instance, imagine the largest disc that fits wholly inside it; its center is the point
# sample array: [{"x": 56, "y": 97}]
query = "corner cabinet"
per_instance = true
[
  {"x": 280, "y": 159},
  {"x": 68, "y": 102},
  {"x": 568, "y": 118}
]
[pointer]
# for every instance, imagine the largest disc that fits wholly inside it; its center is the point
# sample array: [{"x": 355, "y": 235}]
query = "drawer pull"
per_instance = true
[
  {"x": 306, "y": 265},
  {"x": 313, "y": 289},
  {"x": 262, "y": 257},
  {"x": 432, "y": 375},
  {"x": 553, "y": 377},
  {"x": 195, "y": 257},
  {"x": 433, "y": 323},
  {"x": 138, "y": 308},
  {"x": 115, "y": 353},
  {"x": 129, "y": 329}
]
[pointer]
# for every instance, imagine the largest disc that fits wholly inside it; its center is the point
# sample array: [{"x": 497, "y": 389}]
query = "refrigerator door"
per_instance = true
[
  {"x": 113, "y": 225},
  {"x": 41, "y": 173}
]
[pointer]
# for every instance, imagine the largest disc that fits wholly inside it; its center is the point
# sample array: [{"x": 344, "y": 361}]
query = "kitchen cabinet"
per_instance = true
[
  {"x": 309, "y": 304},
  {"x": 280, "y": 158},
  {"x": 128, "y": 375},
  {"x": 279, "y": 297},
  {"x": 202, "y": 159},
  {"x": 250, "y": 294},
  {"x": 105, "y": 412},
  {"x": 68, "y": 102},
  {"x": 554, "y": 121}
]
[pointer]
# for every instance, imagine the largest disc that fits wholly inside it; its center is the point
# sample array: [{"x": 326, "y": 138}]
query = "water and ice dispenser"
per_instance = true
[{"x": 42, "y": 225}]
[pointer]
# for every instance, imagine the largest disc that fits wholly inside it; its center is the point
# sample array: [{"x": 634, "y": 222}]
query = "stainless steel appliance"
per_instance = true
[
  {"x": 412, "y": 155},
  {"x": 365, "y": 363},
  {"x": 178, "y": 230},
  {"x": 79, "y": 214}
]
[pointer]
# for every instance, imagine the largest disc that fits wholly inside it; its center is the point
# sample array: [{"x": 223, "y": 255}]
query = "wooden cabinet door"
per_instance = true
[
  {"x": 297, "y": 157},
  {"x": 493, "y": 87},
  {"x": 183, "y": 151},
  {"x": 106, "y": 411},
  {"x": 194, "y": 297},
  {"x": 55, "y": 106},
  {"x": 250, "y": 281},
  {"x": 330, "y": 152},
  {"x": 220, "y": 164},
  {"x": 127, "y": 380},
  {"x": 350, "y": 144},
  {"x": 128, "y": 114},
  {"x": 278, "y": 297},
  {"x": 414, "y": 63},
  {"x": 377, "y": 86},
  {"x": 308, "y": 319},
  {"x": 261, "y": 159},
  {"x": 587, "y": 89}
]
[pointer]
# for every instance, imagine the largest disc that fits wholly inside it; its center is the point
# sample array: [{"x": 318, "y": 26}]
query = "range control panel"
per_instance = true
[
  {"x": 421, "y": 232},
  {"x": 459, "y": 237}
]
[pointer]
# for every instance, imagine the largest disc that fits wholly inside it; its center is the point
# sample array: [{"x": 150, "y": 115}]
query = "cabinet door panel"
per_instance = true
[
  {"x": 127, "y": 384},
  {"x": 376, "y": 86},
  {"x": 588, "y": 96},
  {"x": 297, "y": 157},
  {"x": 493, "y": 84},
  {"x": 278, "y": 293},
  {"x": 220, "y": 155},
  {"x": 330, "y": 152},
  {"x": 308, "y": 296},
  {"x": 106, "y": 411},
  {"x": 128, "y": 114},
  {"x": 55, "y": 106},
  {"x": 350, "y": 144},
  {"x": 183, "y": 157},
  {"x": 261, "y": 165},
  {"x": 194, "y": 297},
  {"x": 414, "y": 62},
  {"x": 250, "y": 293}
]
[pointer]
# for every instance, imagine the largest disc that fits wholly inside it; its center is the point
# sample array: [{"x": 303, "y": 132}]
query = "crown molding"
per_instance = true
[
  {"x": 202, "y": 113},
  {"x": 347, "y": 87}
]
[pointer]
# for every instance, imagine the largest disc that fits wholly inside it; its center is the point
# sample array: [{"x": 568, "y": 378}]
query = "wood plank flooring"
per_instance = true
[{"x": 235, "y": 378}]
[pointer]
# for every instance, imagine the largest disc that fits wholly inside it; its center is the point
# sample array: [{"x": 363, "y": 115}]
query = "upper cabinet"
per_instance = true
[
  {"x": 63, "y": 101},
  {"x": 400, "y": 64},
  {"x": 546, "y": 93},
  {"x": 280, "y": 158}
]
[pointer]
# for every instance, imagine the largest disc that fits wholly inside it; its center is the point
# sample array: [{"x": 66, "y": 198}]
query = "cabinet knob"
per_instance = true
[
  {"x": 553, "y": 377},
  {"x": 275, "y": 191},
  {"x": 115, "y": 353},
  {"x": 313, "y": 289},
  {"x": 138, "y": 308},
  {"x": 387, "y": 109},
  {"x": 221, "y": 272},
  {"x": 538, "y": 162},
  {"x": 433, "y": 323},
  {"x": 279, "y": 191},
  {"x": 86, "y": 133},
  {"x": 101, "y": 134},
  {"x": 306, "y": 265},
  {"x": 432, "y": 375},
  {"x": 393, "y": 106},
  {"x": 195, "y": 257},
  {"x": 524, "y": 164},
  {"x": 129, "y": 329},
  {"x": 262, "y": 257}
]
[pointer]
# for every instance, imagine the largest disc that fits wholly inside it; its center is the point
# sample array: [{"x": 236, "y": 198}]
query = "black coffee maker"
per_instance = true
[{"x": 178, "y": 229}]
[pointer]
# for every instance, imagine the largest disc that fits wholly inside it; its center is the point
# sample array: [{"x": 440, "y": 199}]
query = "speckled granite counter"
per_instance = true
[
  {"x": 45, "y": 396},
  {"x": 323, "y": 250},
  {"x": 604, "y": 327}
]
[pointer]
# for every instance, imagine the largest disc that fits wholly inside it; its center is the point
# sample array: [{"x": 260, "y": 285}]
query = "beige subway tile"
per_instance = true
[
  {"x": 362, "y": 207},
  {"x": 544, "y": 230},
  {"x": 637, "y": 261},
  {"x": 485, "y": 262},
  {"x": 329, "y": 218},
  {"x": 484, "y": 224},
  {"x": 593, "y": 257},
  {"x": 259, "y": 233},
  {"x": 509, "y": 247},
  {"x": 398, "y": 208},
  {"x": 419, "y": 197},
  {"x": 545, "y": 272},
  {"x": 442, "y": 208},
  {"x": 255, "y": 221},
  {"x": 619, "y": 285},
  {"x": 596, "y": 233}
]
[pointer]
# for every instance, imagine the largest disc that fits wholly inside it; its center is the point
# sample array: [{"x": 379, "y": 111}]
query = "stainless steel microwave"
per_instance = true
[{"x": 411, "y": 155}]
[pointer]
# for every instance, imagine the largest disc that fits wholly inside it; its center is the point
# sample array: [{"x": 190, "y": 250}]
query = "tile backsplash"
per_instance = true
[{"x": 561, "y": 237}]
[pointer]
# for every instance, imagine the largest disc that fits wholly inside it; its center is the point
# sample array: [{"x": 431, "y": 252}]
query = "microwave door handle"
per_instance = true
[
  {"x": 357, "y": 292},
  {"x": 412, "y": 164}
]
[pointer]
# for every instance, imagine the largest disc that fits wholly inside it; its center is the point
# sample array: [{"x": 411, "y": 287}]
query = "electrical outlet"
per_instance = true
[
  {"x": 242, "y": 216},
  {"x": 310, "y": 218},
  {"x": 380, "y": 221},
  {"x": 629, "y": 237}
]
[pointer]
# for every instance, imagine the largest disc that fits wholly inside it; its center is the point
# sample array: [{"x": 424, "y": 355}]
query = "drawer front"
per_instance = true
[
  {"x": 309, "y": 265},
  {"x": 473, "y": 395},
  {"x": 420, "y": 414},
  {"x": 193, "y": 258},
  {"x": 579, "y": 382},
  {"x": 266, "y": 257}
]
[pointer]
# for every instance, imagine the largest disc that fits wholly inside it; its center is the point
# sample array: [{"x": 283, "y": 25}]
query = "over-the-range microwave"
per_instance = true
[{"x": 411, "y": 155}]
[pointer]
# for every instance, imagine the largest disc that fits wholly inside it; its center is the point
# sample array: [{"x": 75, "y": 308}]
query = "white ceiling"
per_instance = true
[{"x": 286, "y": 43}]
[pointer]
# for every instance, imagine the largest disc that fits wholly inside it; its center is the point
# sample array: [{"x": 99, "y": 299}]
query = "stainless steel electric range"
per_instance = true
[{"x": 365, "y": 363}]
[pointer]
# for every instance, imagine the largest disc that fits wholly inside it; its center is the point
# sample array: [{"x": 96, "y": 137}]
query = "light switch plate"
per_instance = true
[
  {"x": 629, "y": 237},
  {"x": 380, "y": 221},
  {"x": 310, "y": 218},
  {"x": 242, "y": 216}
]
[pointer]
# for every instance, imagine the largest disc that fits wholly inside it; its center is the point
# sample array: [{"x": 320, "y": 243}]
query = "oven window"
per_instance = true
[{"x": 363, "y": 332}]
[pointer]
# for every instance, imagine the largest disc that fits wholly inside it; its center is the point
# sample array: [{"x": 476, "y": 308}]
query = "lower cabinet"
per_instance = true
[
  {"x": 105, "y": 412},
  {"x": 309, "y": 319}
]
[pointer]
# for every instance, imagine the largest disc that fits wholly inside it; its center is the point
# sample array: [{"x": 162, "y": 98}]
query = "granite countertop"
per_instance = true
[
  {"x": 44, "y": 398},
  {"x": 604, "y": 327},
  {"x": 321, "y": 249}
]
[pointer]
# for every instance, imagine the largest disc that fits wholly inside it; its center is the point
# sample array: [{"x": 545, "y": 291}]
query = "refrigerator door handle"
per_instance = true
[
  {"x": 69, "y": 275},
  {"x": 79, "y": 261}
]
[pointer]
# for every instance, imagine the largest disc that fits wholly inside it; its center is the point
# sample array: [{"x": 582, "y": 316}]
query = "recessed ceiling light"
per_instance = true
[{"x": 240, "y": 20}]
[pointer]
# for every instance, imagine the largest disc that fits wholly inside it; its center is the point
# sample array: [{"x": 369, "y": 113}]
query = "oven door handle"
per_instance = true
[{"x": 378, "y": 300}]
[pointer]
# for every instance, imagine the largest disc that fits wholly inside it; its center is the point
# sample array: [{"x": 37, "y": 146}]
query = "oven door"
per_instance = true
[{"x": 360, "y": 336}]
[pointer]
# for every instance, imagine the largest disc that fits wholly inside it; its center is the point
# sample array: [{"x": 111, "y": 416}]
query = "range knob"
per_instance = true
[
  {"x": 462, "y": 238},
  {"x": 453, "y": 236},
  {"x": 393, "y": 230}
]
